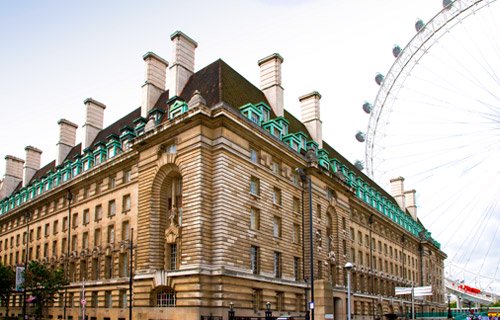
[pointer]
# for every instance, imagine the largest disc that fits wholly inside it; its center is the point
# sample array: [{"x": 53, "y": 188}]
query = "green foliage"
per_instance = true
[
  {"x": 496, "y": 304},
  {"x": 7, "y": 283},
  {"x": 43, "y": 283}
]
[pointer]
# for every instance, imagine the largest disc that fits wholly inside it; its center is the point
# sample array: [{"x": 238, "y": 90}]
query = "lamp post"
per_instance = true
[
  {"x": 311, "y": 161},
  {"x": 348, "y": 267},
  {"x": 372, "y": 275},
  {"x": 69, "y": 197},
  {"x": 449, "y": 307},
  {"x": 231, "y": 311},
  {"x": 268, "y": 311},
  {"x": 130, "y": 244},
  {"x": 26, "y": 256}
]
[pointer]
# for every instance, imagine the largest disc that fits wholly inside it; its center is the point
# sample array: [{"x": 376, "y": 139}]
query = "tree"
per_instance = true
[
  {"x": 7, "y": 283},
  {"x": 43, "y": 283}
]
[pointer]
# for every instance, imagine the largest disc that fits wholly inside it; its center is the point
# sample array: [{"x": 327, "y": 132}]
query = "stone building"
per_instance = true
[{"x": 215, "y": 184}]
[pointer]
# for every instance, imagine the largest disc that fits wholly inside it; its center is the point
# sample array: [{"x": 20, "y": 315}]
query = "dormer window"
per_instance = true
[{"x": 178, "y": 108}]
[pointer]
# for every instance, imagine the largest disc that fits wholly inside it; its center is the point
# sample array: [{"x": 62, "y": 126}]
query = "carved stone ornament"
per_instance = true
[{"x": 171, "y": 234}]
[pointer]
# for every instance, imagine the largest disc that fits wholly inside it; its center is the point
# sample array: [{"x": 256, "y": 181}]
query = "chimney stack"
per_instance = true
[
  {"x": 32, "y": 164},
  {"x": 183, "y": 62},
  {"x": 94, "y": 120},
  {"x": 67, "y": 139},
  {"x": 410, "y": 203},
  {"x": 154, "y": 85},
  {"x": 270, "y": 82},
  {"x": 13, "y": 175},
  {"x": 397, "y": 191},
  {"x": 309, "y": 109}
]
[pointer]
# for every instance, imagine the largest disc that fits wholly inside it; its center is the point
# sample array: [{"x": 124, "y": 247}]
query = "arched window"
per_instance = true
[{"x": 165, "y": 297}]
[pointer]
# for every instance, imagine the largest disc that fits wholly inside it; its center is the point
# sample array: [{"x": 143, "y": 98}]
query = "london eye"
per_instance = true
[{"x": 435, "y": 121}]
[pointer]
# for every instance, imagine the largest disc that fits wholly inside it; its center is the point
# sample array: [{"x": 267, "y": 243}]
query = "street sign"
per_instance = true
[{"x": 311, "y": 305}]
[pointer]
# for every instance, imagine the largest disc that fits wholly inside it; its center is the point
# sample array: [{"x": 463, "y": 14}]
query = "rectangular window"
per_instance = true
[
  {"x": 344, "y": 247},
  {"x": 277, "y": 264},
  {"x": 74, "y": 220},
  {"x": 296, "y": 233},
  {"x": 85, "y": 240},
  {"x": 126, "y": 203},
  {"x": 97, "y": 237},
  {"x": 256, "y": 299},
  {"x": 254, "y": 260},
  {"x": 127, "y": 175},
  {"x": 55, "y": 227},
  {"x": 318, "y": 210},
  {"x": 254, "y": 186},
  {"x": 83, "y": 269},
  {"x": 124, "y": 263},
  {"x": 111, "y": 208},
  {"x": 296, "y": 268},
  {"x": 125, "y": 230},
  {"x": 65, "y": 223},
  {"x": 280, "y": 298},
  {"x": 38, "y": 233},
  {"x": 276, "y": 227},
  {"x": 98, "y": 213},
  {"x": 254, "y": 218},
  {"x": 108, "y": 267},
  {"x": 64, "y": 247},
  {"x": 353, "y": 255},
  {"x": 108, "y": 300},
  {"x": 320, "y": 269},
  {"x": 275, "y": 166},
  {"x": 95, "y": 269},
  {"x": 344, "y": 224},
  {"x": 74, "y": 242},
  {"x": 45, "y": 250},
  {"x": 95, "y": 300},
  {"x": 122, "y": 298},
  {"x": 173, "y": 256},
  {"x": 277, "y": 196},
  {"x": 47, "y": 230},
  {"x": 254, "y": 155},
  {"x": 86, "y": 216},
  {"x": 111, "y": 234},
  {"x": 296, "y": 205},
  {"x": 112, "y": 182}
]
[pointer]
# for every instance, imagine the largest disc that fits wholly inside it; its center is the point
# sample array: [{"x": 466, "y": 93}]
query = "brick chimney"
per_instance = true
[
  {"x": 397, "y": 191},
  {"x": 94, "y": 120},
  {"x": 67, "y": 138},
  {"x": 32, "y": 164},
  {"x": 309, "y": 110},
  {"x": 410, "y": 203},
  {"x": 270, "y": 82},
  {"x": 154, "y": 84},
  {"x": 13, "y": 175},
  {"x": 183, "y": 62}
]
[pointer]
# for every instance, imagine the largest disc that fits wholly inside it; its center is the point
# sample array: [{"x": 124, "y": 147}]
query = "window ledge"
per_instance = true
[{"x": 256, "y": 196}]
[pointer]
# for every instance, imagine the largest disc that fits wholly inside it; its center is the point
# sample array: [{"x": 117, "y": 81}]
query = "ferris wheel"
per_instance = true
[{"x": 436, "y": 122}]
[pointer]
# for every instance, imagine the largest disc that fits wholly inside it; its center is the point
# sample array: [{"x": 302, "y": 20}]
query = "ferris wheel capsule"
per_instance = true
[
  {"x": 447, "y": 3},
  {"x": 360, "y": 136},
  {"x": 419, "y": 25},
  {"x": 396, "y": 51},
  {"x": 379, "y": 78},
  {"x": 359, "y": 165},
  {"x": 367, "y": 107}
]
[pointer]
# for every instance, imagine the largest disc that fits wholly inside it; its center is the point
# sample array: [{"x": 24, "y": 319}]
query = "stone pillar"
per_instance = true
[
  {"x": 94, "y": 120},
  {"x": 32, "y": 164},
  {"x": 310, "y": 116},
  {"x": 154, "y": 81},
  {"x": 13, "y": 175},
  {"x": 67, "y": 138},
  {"x": 183, "y": 62},
  {"x": 397, "y": 191},
  {"x": 410, "y": 203},
  {"x": 270, "y": 82}
]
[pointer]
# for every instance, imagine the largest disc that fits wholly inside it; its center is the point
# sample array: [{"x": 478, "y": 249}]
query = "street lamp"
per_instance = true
[
  {"x": 449, "y": 307},
  {"x": 69, "y": 197},
  {"x": 268, "y": 310},
  {"x": 348, "y": 267},
  {"x": 311, "y": 159},
  {"x": 26, "y": 256},
  {"x": 130, "y": 243}
]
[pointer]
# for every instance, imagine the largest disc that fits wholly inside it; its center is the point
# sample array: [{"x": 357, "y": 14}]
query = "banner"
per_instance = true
[
  {"x": 417, "y": 291},
  {"x": 19, "y": 278}
]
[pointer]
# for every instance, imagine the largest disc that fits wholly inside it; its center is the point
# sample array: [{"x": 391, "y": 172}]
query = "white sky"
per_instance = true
[{"x": 54, "y": 54}]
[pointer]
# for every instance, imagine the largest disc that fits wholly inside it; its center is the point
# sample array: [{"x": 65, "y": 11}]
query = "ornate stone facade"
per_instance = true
[{"x": 220, "y": 215}]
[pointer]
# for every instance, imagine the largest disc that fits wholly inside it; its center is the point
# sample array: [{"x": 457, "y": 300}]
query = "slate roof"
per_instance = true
[{"x": 217, "y": 82}]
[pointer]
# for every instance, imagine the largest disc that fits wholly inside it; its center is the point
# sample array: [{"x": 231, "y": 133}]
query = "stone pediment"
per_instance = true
[{"x": 172, "y": 234}]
